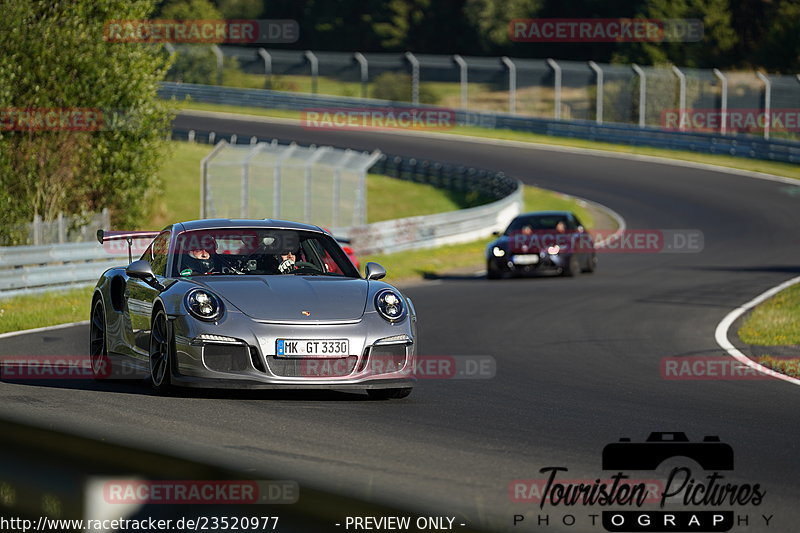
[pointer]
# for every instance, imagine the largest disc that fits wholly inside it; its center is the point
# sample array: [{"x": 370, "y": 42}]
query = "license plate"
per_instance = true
[
  {"x": 528, "y": 259},
  {"x": 312, "y": 348}
]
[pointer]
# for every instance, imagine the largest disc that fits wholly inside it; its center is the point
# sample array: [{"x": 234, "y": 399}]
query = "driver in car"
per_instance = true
[{"x": 201, "y": 258}]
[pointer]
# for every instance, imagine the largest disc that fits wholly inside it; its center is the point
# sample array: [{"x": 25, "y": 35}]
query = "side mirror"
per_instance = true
[
  {"x": 374, "y": 271},
  {"x": 142, "y": 270},
  {"x": 581, "y": 229}
]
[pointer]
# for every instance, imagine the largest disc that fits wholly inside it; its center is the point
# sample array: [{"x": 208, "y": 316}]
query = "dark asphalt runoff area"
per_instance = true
[{"x": 578, "y": 361}]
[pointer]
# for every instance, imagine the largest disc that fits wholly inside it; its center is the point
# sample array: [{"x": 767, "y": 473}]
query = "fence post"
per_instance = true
[
  {"x": 723, "y": 107},
  {"x": 512, "y": 84},
  {"x": 681, "y": 98},
  {"x": 463, "y": 72},
  {"x": 37, "y": 228},
  {"x": 318, "y": 153},
  {"x": 599, "y": 97},
  {"x": 314, "y": 63},
  {"x": 362, "y": 61},
  {"x": 276, "y": 196},
  {"x": 361, "y": 211},
  {"x": 62, "y": 229},
  {"x": 414, "y": 77},
  {"x": 245, "y": 195},
  {"x": 220, "y": 62},
  {"x": 204, "y": 175},
  {"x": 337, "y": 178},
  {"x": 767, "y": 102},
  {"x": 106, "y": 217},
  {"x": 267, "y": 67},
  {"x": 642, "y": 93},
  {"x": 557, "y": 97}
]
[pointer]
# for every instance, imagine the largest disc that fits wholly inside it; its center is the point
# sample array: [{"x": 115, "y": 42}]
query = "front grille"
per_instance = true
[
  {"x": 386, "y": 358},
  {"x": 312, "y": 368},
  {"x": 226, "y": 358}
]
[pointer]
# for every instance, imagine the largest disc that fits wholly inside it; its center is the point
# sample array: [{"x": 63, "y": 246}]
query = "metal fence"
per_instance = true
[
  {"x": 734, "y": 145},
  {"x": 545, "y": 88},
  {"x": 319, "y": 185},
  {"x": 62, "y": 229},
  {"x": 32, "y": 269}
]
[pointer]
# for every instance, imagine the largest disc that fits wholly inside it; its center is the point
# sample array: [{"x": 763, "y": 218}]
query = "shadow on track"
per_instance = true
[{"x": 142, "y": 388}]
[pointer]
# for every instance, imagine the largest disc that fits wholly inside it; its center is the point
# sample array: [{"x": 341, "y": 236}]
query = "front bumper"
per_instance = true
[
  {"x": 241, "y": 353},
  {"x": 545, "y": 263}
]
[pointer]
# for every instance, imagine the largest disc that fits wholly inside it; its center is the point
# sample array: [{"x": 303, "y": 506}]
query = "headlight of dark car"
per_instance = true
[
  {"x": 390, "y": 305},
  {"x": 203, "y": 304}
]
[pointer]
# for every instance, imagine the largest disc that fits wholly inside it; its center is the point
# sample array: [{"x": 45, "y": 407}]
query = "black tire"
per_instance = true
[
  {"x": 161, "y": 351},
  {"x": 98, "y": 342},
  {"x": 491, "y": 273},
  {"x": 388, "y": 394},
  {"x": 572, "y": 269},
  {"x": 591, "y": 264}
]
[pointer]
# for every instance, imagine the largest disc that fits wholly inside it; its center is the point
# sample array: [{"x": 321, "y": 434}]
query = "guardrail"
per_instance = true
[
  {"x": 31, "y": 269},
  {"x": 738, "y": 145}
]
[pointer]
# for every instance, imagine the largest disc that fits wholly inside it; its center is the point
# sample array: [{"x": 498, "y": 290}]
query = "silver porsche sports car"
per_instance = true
[{"x": 252, "y": 304}]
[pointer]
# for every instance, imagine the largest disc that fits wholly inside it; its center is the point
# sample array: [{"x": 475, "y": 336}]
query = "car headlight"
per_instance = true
[
  {"x": 203, "y": 304},
  {"x": 390, "y": 305},
  {"x": 498, "y": 252},
  {"x": 553, "y": 250}
]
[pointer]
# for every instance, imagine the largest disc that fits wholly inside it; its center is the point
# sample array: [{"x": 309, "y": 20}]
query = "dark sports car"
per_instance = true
[
  {"x": 256, "y": 304},
  {"x": 542, "y": 241}
]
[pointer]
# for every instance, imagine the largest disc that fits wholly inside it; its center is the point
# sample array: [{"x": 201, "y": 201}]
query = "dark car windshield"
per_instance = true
[
  {"x": 538, "y": 222},
  {"x": 259, "y": 251}
]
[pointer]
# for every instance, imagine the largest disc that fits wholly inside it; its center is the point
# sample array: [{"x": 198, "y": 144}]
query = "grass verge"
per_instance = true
[
  {"x": 47, "y": 309},
  {"x": 790, "y": 367},
  {"x": 753, "y": 165},
  {"x": 775, "y": 322}
]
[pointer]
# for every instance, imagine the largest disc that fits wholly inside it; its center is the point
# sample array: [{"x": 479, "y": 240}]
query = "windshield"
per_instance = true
[
  {"x": 259, "y": 251},
  {"x": 539, "y": 222}
]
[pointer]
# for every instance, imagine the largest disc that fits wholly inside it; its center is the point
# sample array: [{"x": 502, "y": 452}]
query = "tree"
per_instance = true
[{"x": 53, "y": 55}]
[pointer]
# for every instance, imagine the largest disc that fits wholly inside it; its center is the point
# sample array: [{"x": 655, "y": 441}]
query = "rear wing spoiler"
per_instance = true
[{"x": 105, "y": 236}]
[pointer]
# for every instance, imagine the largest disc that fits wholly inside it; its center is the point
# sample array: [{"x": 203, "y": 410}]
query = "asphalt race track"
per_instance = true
[{"x": 578, "y": 360}]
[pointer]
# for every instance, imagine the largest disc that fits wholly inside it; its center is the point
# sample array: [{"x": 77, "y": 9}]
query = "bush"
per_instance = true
[{"x": 53, "y": 55}]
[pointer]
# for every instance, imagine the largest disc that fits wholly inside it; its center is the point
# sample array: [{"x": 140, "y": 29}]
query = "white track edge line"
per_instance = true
[
  {"x": 721, "y": 333},
  {"x": 45, "y": 328}
]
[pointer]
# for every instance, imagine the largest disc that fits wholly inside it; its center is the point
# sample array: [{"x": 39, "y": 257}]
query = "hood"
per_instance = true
[{"x": 283, "y": 298}]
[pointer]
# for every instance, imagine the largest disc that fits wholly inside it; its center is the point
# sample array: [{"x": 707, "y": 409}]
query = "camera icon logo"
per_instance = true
[{"x": 710, "y": 454}]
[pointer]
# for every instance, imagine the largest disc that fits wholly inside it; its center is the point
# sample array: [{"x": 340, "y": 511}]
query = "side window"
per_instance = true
[
  {"x": 160, "y": 249},
  {"x": 574, "y": 222}
]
